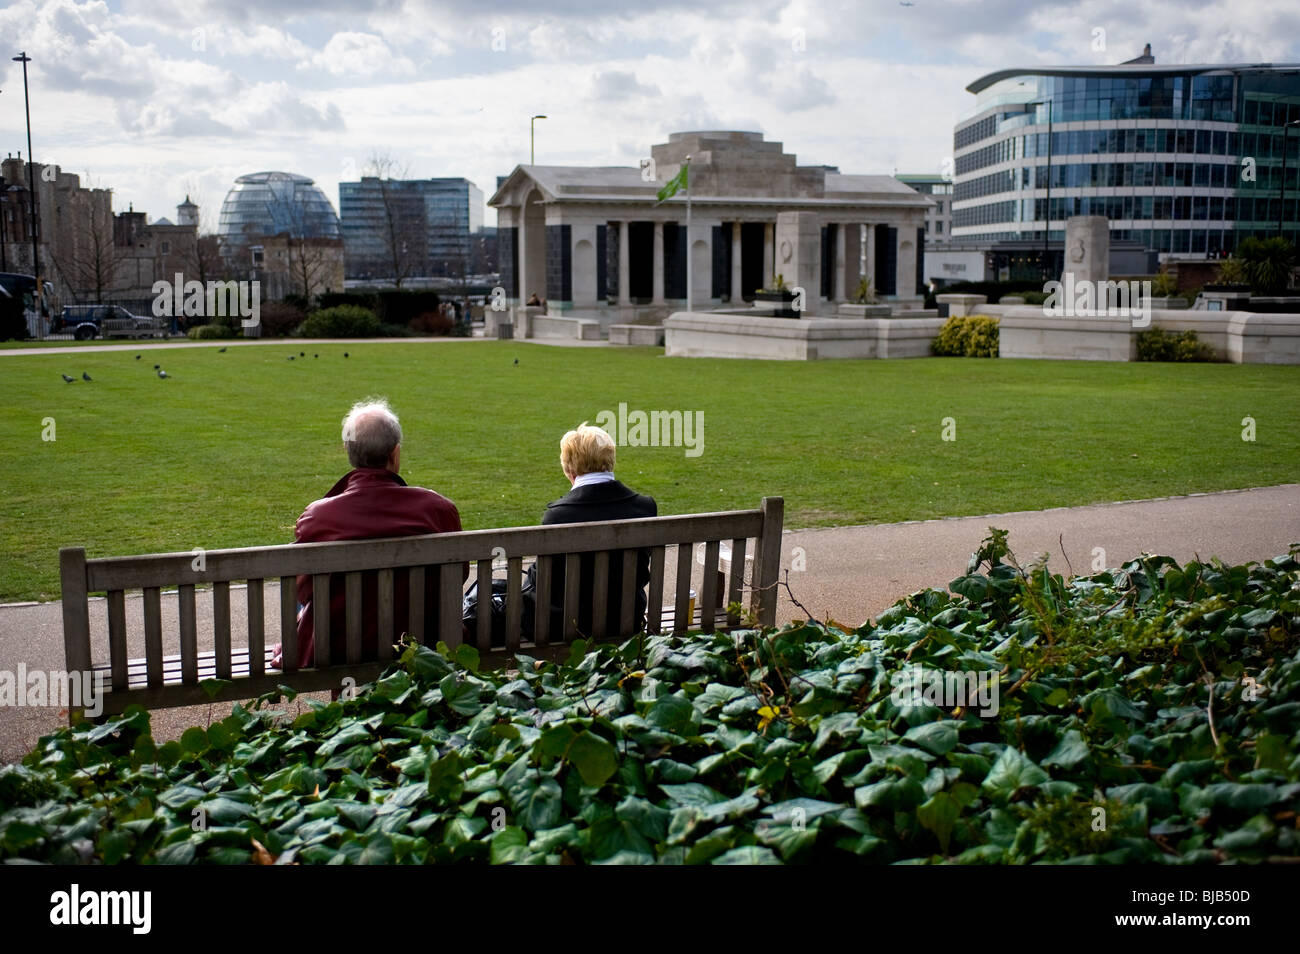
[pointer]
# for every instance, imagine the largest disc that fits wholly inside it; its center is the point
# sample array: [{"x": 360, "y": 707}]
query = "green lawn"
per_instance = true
[{"x": 230, "y": 448}]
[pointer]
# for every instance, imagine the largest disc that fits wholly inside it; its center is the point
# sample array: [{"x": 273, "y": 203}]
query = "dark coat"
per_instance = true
[
  {"x": 605, "y": 501},
  {"x": 368, "y": 503}
]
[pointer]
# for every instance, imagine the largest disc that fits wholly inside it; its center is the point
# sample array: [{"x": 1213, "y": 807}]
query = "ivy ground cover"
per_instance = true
[{"x": 1147, "y": 714}]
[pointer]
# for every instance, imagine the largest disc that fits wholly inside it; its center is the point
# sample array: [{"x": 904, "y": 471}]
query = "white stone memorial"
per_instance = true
[
  {"x": 798, "y": 256},
  {"x": 1087, "y": 248}
]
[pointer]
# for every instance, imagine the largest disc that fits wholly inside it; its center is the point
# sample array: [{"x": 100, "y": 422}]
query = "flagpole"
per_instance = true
[{"x": 689, "y": 256}]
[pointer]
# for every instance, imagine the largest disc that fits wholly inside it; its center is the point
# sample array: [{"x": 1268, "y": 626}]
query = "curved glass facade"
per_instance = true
[
  {"x": 1186, "y": 163},
  {"x": 271, "y": 203}
]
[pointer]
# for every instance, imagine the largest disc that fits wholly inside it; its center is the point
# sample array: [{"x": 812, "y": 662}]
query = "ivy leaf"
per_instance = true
[
  {"x": 540, "y": 805},
  {"x": 594, "y": 757},
  {"x": 1069, "y": 752},
  {"x": 939, "y": 815},
  {"x": 937, "y": 738},
  {"x": 1012, "y": 772}
]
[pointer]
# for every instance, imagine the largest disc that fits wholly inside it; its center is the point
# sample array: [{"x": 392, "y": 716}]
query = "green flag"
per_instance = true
[{"x": 674, "y": 185}]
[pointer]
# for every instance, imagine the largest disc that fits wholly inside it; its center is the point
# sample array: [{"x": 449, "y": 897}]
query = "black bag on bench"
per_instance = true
[{"x": 472, "y": 606}]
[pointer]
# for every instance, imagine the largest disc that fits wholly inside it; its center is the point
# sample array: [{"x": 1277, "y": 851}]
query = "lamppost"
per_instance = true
[
  {"x": 1047, "y": 225},
  {"x": 24, "y": 59},
  {"x": 1286, "y": 138},
  {"x": 532, "y": 122}
]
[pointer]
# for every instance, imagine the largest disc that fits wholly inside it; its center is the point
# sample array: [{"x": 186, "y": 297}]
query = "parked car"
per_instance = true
[{"x": 86, "y": 321}]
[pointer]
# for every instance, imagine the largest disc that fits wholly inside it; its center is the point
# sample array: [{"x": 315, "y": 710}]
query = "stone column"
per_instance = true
[
  {"x": 657, "y": 293},
  {"x": 841, "y": 262},
  {"x": 769, "y": 251},
  {"x": 905, "y": 273},
  {"x": 869, "y": 247},
  {"x": 736, "y": 286},
  {"x": 582, "y": 264},
  {"x": 624, "y": 266},
  {"x": 852, "y": 264},
  {"x": 522, "y": 259}
]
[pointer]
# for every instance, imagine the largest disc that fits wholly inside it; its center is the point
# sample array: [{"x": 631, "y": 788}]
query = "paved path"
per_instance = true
[
  {"x": 846, "y": 573},
  {"x": 151, "y": 345}
]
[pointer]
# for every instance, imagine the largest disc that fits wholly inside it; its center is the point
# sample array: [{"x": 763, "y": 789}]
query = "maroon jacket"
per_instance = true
[{"x": 367, "y": 503}]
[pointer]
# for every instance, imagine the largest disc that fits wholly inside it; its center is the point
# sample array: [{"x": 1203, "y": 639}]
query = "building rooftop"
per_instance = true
[{"x": 1126, "y": 69}]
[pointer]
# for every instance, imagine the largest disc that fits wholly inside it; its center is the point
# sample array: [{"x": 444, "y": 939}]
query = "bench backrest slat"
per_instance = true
[
  {"x": 681, "y": 608},
  {"x": 289, "y": 623},
  {"x": 221, "y": 628},
  {"x": 709, "y": 587},
  {"x": 153, "y": 647},
  {"x": 117, "y": 637},
  {"x": 514, "y": 601},
  {"x": 256, "y": 629},
  {"x": 542, "y": 621},
  {"x": 320, "y": 616},
  {"x": 399, "y": 567},
  {"x": 352, "y": 590},
  {"x": 385, "y": 615},
  {"x": 450, "y": 603},
  {"x": 189, "y": 635},
  {"x": 735, "y": 588},
  {"x": 572, "y": 584},
  {"x": 655, "y": 597},
  {"x": 600, "y": 594},
  {"x": 627, "y": 592},
  {"x": 415, "y": 621}
]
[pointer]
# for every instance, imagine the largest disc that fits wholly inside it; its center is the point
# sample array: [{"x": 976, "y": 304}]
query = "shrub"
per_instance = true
[
  {"x": 1164, "y": 285},
  {"x": 280, "y": 318},
  {"x": 1268, "y": 263},
  {"x": 341, "y": 321},
  {"x": 210, "y": 332},
  {"x": 1034, "y": 297},
  {"x": 1155, "y": 344},
  {"x": 431, "y": 323},
  {"x": 967, "y": 336},
  {"x": 1232, "y": 271}
]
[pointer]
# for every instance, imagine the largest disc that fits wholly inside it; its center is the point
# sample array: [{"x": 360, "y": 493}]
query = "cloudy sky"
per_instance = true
[{"x": 156, "y": 100}]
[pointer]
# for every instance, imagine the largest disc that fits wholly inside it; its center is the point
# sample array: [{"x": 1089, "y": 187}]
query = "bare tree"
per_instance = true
[
  {"x": 309, "y": 261},
  {"x": 203, "y": 260},
  {"x": 402, "y": 218},
  {"x": 92, "y": 265}
]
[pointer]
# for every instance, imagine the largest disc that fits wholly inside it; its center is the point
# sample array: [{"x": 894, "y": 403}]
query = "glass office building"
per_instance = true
[
  {"x": 1185, "y": 160},
  {"x": 263, "y": 204},
  {"x": 430, "y": 221}
]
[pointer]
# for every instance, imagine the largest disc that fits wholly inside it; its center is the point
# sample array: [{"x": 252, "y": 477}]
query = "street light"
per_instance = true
[
  {"x": 532, "y": 158},
  {"x": 24, "y": 59},
  {"x": 1047, "y": 225},
  {"x": 1286, "y": 138}
]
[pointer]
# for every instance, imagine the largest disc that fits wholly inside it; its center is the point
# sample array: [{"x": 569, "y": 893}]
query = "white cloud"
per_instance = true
[
  {"x": 314, "y": 86},
  {"x": 360, "y": 54}
]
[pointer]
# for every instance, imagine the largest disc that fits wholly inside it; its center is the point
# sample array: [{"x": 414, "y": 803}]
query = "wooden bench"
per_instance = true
[
  {"x": 133, "y": 327},
  {"x": 161, "y": 680}
]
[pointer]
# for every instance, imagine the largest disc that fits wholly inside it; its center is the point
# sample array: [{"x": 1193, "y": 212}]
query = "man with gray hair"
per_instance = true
[{"x": 370, "y": 501}]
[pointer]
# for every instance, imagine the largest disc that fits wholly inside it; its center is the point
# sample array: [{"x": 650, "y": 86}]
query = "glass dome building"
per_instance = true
[{"x": 271, "y": 203}]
